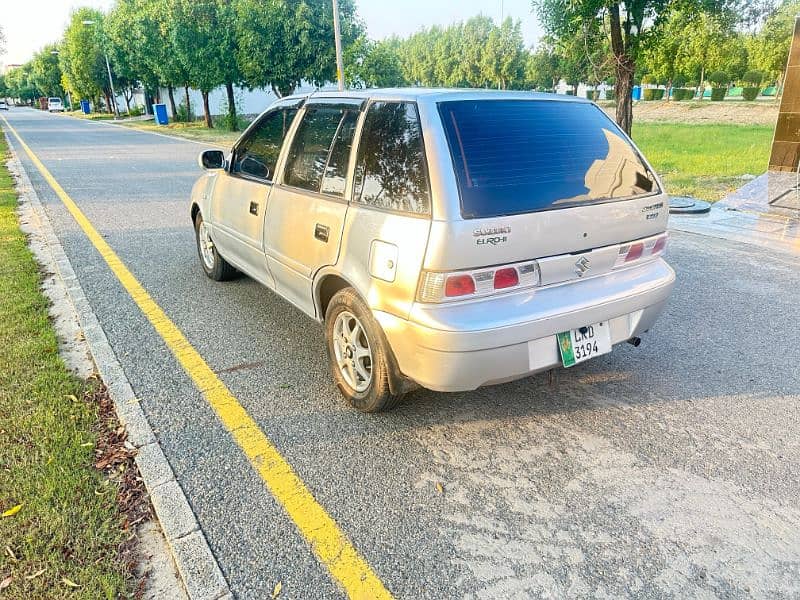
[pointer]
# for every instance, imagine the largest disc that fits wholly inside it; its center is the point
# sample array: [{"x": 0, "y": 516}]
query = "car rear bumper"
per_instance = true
[{"x": 467, "y": 345}]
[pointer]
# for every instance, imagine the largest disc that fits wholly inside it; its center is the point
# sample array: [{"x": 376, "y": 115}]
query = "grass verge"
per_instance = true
[
  {"x": 63, "y": 533},
  {"x": 704, "y": 161},
  {"x": 196, "y": 131}
]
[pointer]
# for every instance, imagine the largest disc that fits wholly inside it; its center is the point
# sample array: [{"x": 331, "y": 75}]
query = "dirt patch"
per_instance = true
[{"x": 727, "y": 112}]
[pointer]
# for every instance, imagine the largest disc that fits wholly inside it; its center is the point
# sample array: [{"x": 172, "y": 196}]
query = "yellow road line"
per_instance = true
[{"x": 329, "y": 543}]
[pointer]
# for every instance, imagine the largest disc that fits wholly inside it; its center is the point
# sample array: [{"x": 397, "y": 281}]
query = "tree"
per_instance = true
[
  {"x": 503, "y": 59},
  {"x": 769, "y": 49},
  {"x": 283, "y": 42},
  {"x": 373, "y": 64},
  {"x": 628, "y": 27},
  {"x": 46, "y": 72},
  {"x": 541, "y": 68},
  {"x": 81, "y": 57}
]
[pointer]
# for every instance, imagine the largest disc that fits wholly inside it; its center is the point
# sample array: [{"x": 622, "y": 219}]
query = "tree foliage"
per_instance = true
[
  {"x": 81, "y": 55},
  {"x": 283, "y": 42},
  {"x": 769, "y": 49}
]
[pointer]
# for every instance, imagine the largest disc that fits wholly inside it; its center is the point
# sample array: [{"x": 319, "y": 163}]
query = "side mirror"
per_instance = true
[{"x": 212, "y": 159}]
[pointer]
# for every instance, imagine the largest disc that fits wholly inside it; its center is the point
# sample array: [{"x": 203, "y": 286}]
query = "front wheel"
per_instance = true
[
  {"x": 214, "y": 266},
  {"x": 358, "y": 353}
]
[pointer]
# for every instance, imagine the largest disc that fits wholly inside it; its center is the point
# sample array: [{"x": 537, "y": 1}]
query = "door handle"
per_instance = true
[
  {"x": 254, "y": 208},
  {"x": 322, "y": 232}
]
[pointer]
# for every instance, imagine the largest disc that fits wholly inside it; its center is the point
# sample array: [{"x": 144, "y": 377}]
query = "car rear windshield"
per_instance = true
[{"x": 519, "y": 156}]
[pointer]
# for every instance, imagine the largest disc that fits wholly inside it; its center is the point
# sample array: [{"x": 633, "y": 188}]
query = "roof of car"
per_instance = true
[{"x": 437, "y": 94}]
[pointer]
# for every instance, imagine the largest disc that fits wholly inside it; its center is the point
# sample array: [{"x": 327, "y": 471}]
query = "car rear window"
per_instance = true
[{"x": 518, "y": 156}]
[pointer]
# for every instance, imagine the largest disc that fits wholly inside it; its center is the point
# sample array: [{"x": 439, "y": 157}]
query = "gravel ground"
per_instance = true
[{"x": 667, "y": 471}]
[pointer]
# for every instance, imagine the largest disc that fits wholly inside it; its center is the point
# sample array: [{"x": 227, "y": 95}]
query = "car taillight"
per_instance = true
[
  {"x": 659, "y": 246},
  {"x": 478, "y": 283},
  {"x": 505, "y": 278},
  {"x": 634, "y": 252},
  {"x": 646, "y": 248},
  {"x": 459, "y": 285}
]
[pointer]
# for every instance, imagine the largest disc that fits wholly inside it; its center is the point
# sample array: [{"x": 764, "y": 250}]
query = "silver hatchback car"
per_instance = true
[{"x": 446, "y": 238}]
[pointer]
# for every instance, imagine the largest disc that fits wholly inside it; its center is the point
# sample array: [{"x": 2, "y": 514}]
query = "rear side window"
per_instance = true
[
  {"x": 390, "y": 168},
  {"x": 257, "y": 155},
  {"x": 320, "y": 150},
  {"x": 518, "y": 156}
]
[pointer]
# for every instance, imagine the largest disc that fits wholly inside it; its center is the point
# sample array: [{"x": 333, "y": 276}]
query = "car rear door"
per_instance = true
[
  {"x": 240, "y": 195},
  {"x": 307, "y": 207}
]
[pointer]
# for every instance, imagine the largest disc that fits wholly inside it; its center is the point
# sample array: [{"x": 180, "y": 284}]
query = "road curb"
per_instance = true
[{"x": 199, "y": 571}]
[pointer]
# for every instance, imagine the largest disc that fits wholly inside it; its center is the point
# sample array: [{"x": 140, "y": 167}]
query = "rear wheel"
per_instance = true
[
  {"x": 358, "y": 353},
  {"x": 214, "y": 266}
]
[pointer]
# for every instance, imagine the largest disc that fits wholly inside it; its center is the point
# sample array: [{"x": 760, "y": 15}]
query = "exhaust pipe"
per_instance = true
[{"x": 635, "y": 341}]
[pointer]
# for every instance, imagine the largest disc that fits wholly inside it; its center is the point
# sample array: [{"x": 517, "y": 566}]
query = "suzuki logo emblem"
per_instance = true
[{"x": 581, "y": 266}]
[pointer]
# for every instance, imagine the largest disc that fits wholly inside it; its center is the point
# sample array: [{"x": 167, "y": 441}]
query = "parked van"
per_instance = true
[
  {"x": 55, "y": 105},
  {"x": 450, "y": 239}
]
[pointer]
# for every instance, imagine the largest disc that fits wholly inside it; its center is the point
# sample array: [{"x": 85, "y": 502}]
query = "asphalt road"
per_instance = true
[{"x": 671, "y": 470}]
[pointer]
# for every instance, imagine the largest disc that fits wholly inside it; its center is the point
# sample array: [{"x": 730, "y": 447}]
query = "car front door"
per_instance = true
[
  {"x": 240, "y": 195},
  {"x": 308, "y": 205}
]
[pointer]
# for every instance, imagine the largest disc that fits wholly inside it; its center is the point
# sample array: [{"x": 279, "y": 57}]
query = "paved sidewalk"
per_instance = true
[{"x": 764, "y": 212}]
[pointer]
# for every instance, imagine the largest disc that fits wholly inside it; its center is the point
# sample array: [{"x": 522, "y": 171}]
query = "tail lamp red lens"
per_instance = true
[
  {"x": 459, "y": 285},
  {"x": 635, "y": 252},
  {"x": 505, "y": 278}
]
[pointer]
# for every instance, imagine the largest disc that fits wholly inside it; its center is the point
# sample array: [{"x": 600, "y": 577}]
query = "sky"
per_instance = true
[{"x": 30, "y": 24}]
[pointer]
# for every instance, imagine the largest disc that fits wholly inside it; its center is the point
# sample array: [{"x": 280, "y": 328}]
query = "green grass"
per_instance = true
[
  {"x": 69, "y": 527},
  {"x": 704, "y": 161},
  {"x": 193, "y": 131}
]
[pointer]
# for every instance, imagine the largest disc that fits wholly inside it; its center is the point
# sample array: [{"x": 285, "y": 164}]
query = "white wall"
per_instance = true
[{"x": 247, "y": 102}]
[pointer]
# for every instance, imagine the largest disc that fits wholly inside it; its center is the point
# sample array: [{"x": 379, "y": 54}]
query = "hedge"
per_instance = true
[
  {"x": 718, "y": 93},
  {"x": 653, "y": 94},
  {"x": 679, "y": 94},
  {"x": 610, "y": 95},
  {"x": 750, "y": 93},
  {"x": 593, "y": 94}
]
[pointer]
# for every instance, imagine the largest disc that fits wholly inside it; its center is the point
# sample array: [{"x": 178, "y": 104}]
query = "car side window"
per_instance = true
[
  {"x": 335, "y": 177},
  {"x": 257, "y": 155},
  {"x": 390, "y": 166},
  {"x": 320, "y": 149}
]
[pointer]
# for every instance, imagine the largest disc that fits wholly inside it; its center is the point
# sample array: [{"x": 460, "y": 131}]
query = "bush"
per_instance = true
[
  {"x": 570, "y": 92},
  {"x": 680, "y": 94},
  {"x": 753, "y": 78},
  {"x": 135, "y": 112},
  {"x": 750, "y": 93},
  {"x": 592, "y": 94},
  {"x": 610, "y": 95},
  {"x": 183, "y": 115},
  {"x": 719, "y": 78},
  {"x": 718, "y": 93},
  {"x": 653, "y": 94}
]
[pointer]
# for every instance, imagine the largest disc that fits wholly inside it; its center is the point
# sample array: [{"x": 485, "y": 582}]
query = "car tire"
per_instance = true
[
  {"x": 347, "y": 314},
  {"x": 214, "y": 266}
]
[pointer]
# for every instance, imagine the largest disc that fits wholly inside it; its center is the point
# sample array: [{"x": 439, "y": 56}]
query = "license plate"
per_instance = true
[{"x": 579, "y": 345}]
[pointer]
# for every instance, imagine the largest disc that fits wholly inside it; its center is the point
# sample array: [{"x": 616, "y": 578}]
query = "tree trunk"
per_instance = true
[
  {"x": 127, "y": 100},
  {"x": 108, "y": 102},
  {"x": 276, "y": 91},
  {"x": 624, "y": 67},
  {"x": 188, "y": 106},
  {"x": 171, "y": 94},
  {"x": 206, "y": 111},
  {"x": 233, "y": 122},
  {"x": 702, "y": 82}
]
